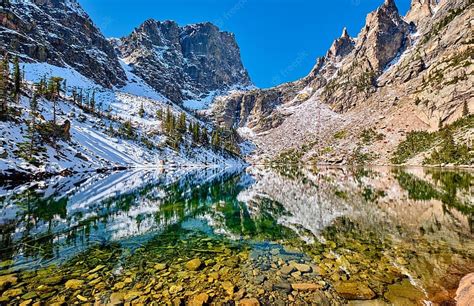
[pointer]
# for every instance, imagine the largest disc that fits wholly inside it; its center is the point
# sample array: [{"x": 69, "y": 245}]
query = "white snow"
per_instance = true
[{"x": 91, "y": 147}]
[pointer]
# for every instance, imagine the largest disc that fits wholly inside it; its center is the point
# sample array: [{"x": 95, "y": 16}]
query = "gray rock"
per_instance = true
[
  {"x": 62, "y": 34},
  {"x": 184, "y": 62}
]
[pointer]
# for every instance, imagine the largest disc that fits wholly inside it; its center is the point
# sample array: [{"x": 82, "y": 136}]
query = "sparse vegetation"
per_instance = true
[
  {"x": 361, "y": 158},
  {"x": 439, "y": 26},
  {"x": 291, "y": 156},
  {"x": 370, "y": 135},
  {"x": 340, "y": 134},
  {"x": 449, "y": 152},
  {"x": 442, "y": 141}
]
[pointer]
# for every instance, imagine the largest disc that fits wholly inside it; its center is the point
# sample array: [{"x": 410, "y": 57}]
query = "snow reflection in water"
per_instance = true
[{"x": 348, "y": 221}]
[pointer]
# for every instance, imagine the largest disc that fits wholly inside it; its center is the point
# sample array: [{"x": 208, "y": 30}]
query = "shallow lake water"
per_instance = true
[{"x": 327, "y": 236}]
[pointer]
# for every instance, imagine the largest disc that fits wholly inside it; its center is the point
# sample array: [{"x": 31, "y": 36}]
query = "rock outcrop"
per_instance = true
[
  {"x": 420, "y": 11},
  {"x": 465, "y": 292},
  {"x": 384, "y": 37},
  {"x": 184, "y": 62},
  {"x": 341, "y": 47},
  {"x": 400, "y": 74},
  {"x": 61, "y": 33}
]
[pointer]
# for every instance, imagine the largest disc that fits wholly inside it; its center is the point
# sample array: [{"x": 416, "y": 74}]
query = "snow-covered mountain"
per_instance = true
[
  {"x": 184, "y": 63},
  {"x": 101, "y": 95},
  {"x": 60, "y": 33}
]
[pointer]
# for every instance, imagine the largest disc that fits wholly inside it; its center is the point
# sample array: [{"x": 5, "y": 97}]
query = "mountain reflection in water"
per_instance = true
[{"x": 405, "y": 234}]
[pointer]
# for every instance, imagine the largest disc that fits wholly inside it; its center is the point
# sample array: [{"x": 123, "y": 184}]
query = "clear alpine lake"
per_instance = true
[{"x": 402, "y": 236}]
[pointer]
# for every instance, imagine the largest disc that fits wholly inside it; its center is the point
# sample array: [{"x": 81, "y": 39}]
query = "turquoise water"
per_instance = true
[{"x": 280, "y": 236}]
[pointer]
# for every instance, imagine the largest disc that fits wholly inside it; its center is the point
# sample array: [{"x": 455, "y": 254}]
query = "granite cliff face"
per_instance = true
[
  {"x": 61, "y": 33},
  {"x": 401, "y": 73},
  {"x": 184, "y": 62}
]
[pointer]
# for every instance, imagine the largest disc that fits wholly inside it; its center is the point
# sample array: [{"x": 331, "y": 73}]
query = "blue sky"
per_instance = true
[{"x": 279, "y": 39}]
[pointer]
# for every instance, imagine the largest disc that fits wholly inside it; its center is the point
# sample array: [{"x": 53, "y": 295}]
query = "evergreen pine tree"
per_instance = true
[
  {"x": 92, "y": 101},
  {"x": 182, "y": 122},
  {"x": 159, "y": 114},
  {"x": 16, "y": 79},
  {"x": 41, "y": 88},
  {"x": 141, "y": 111},
  {"x": 54, "y": 90},
  {"x": 64, "y": 87},
  {"x": 111, "y": 129},
  {"x": 29, "y": 148},
  {"x": 465, "y": 109},
  {"x": 5, "y": 84},
  {"x": 196, "y": 133},
  {"x": 3, "y": 92},
  {"x": 167, "y": 126},
  {"x": 216, "y": 141},
  {"x": 74, "y": 95},
  {"x": 80, "y": 98},
  {"x": 32, "y": 129},
  {"x": 204, "y": 137}
]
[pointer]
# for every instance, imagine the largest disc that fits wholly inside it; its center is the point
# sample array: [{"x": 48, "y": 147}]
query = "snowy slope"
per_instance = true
[{"x": 91, "y": 146}]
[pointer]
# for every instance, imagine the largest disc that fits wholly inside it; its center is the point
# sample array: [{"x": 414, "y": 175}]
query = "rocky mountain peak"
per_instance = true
[
  {"x": 390, "y": 4},
  {"x": 341, "y": 46},
  {"x": 420, "y": 10},
  {"x": 61, "y": 33},
  {"x": 345, "y": 34},
  {"x": 384, "y": 36},
  {"x": 184, "y": 62}
]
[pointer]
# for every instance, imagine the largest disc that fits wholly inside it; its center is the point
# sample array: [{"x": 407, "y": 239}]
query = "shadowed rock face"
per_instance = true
[
  {"x": 184, "y": 62},
  {"x": 62, "y": 34}
]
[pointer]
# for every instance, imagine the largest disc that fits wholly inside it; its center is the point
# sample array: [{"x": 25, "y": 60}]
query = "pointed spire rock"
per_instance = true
[
  {"x": 389, "y": 3},
  {"x": 345, "y": 34},
  {"x": 421, "y": 10}
]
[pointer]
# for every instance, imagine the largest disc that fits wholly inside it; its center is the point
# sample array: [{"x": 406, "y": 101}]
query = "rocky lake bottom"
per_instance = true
[{"x": 255, "y": 236}]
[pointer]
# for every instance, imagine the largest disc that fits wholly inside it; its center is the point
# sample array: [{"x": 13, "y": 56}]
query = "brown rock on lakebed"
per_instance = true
[
  {"x": 354, "y": 291},
  {"x": 303, "y": 268},
  {"x": 404, "y": 293},
  {"x": 194, "y": 264},
  {"x": 228, "y": 287},
  {"x": 249, "y": 302},
  {"x": 199, "y": 300},
  {"x": 306, "y": 287},
  {"x": 7, "y": 280},
  {"x": 74, "y": 284}
]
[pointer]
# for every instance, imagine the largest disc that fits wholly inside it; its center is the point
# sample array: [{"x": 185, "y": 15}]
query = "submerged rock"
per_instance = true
[
  {"x": 199, "y": 299},
  {"x": 11, "y": 293},
  {"x": 74, "y": 284},
  {"x": 354, "y": 291},
  {"x": 7, "y": 281},
  {"x": 249, "y": 302},
  {"x": 303, "y": 268},
  {"x": 160, "y": 267},
  {"x": 305, "y": 287},
  {"x": 228, "y": 287},
  {"x": 194, "y": 264},
  {"x": 117, "y": 298},
  {"x": 404, "y": 293}
]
